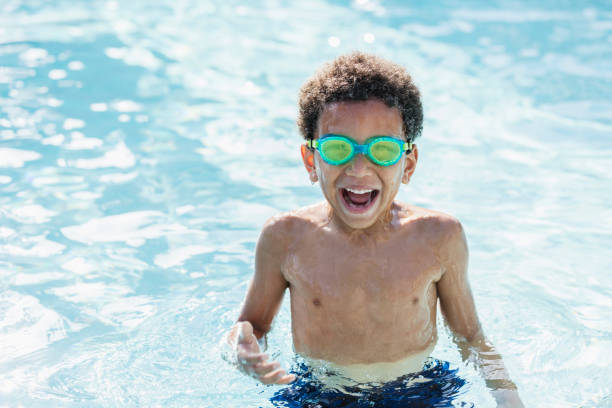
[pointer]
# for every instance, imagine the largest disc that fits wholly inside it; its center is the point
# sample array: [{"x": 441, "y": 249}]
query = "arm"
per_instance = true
[
  {"x": 457, "y": 305},
  {"x": 261, "y": 304}
]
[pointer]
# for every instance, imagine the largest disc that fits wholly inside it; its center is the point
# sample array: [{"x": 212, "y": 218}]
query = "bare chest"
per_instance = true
[
  {"x": 355, "y": 306},
  {"x": 358, "y": 278}
]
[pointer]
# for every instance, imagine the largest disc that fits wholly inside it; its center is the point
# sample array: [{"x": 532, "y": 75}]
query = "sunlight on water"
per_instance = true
[{"x": 144, "y": 144}]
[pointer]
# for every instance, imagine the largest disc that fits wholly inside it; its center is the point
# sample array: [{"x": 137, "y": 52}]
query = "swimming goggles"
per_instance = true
[{"x": 381, "y": 150}]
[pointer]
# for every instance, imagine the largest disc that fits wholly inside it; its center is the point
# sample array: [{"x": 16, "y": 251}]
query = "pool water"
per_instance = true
[{"x": 143, "y": 144}]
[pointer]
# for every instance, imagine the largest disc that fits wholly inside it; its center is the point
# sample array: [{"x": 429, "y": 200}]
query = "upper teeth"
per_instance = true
[{"x": 352, "y": 190}]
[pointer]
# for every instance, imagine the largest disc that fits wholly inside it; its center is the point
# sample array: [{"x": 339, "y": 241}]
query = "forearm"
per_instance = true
[
  {"x": 488, "y": 361},
  {"x": 491, "y": 366}
]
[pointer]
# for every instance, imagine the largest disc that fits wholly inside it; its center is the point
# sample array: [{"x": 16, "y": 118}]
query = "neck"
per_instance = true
[{"x": 380, "y": 227}]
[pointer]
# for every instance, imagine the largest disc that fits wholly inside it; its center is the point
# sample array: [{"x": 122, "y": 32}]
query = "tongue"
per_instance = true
[{"x": 358, "y": 198}]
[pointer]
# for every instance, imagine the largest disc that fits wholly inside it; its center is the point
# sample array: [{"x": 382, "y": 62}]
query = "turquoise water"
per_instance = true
[{"x": 144, "y": 143}]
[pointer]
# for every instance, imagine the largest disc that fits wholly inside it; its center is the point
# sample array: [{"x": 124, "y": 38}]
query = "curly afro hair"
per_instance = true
[{"x": 358, "y": 77}]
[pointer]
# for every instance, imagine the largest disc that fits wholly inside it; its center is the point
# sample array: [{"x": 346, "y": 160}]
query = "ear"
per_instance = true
[
  {"x": 410, "y": 164},
  {"x": 308, "y": 159}
]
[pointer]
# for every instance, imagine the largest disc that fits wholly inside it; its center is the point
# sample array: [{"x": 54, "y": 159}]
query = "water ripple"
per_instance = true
[{"x": 143, "y": 145}]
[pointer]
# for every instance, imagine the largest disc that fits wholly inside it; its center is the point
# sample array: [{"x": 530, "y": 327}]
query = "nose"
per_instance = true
[{"x": 359, "y": 166}]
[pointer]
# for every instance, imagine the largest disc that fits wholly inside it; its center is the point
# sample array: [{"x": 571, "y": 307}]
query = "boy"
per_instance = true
[{"x": 364, "y": 271}]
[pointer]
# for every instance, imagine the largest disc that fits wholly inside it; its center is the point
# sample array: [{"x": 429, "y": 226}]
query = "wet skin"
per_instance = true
[{"x": 364, "y": 285}]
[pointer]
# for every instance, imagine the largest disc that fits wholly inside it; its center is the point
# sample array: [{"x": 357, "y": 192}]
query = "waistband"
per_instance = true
[{"x": 332, "y": 374}]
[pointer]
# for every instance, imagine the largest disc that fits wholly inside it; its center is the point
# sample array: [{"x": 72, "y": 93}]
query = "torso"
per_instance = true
[{"x": 361, "y": 299}]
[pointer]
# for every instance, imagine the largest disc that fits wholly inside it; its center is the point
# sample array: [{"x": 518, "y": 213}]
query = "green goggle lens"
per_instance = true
[
  {"x": 385, "y": 151},
  {"x": 338, "y": 149}
]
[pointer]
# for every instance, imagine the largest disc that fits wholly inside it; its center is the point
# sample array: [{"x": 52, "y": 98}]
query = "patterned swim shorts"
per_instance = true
[{"x": 436, "y": 386}]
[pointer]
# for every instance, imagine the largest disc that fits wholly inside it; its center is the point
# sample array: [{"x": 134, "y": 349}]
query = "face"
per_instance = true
[{"x": 360, "y": 192}]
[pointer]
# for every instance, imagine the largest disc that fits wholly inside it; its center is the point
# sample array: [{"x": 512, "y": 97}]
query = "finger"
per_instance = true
[
  {"x": 273, "y": 377},
  {"x": 252, "y": 358},
  {"x": 265, "y": 368},
  {"x": 286, "y": 379},
  {"x": 280, "y": 378}
]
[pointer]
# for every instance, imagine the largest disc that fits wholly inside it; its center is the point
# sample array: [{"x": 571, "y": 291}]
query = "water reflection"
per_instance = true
[{"x": 145, "y": 143}]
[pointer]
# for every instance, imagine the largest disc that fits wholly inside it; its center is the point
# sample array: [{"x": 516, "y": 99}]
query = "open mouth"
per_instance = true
[{"x": 358, "y": 201}]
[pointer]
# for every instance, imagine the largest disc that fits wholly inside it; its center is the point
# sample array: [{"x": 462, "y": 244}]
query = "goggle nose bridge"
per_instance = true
[{"x": 363, "y": 149}]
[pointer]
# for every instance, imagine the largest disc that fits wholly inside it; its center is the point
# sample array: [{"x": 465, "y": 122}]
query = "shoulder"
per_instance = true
[
  {"x": 446, "y": 227},
  {"x": 434, "y": 224},
  {"x": 442, "y": 233},
  {"x": 288, "y": 226},
  {"x": 447, "y": 239}
]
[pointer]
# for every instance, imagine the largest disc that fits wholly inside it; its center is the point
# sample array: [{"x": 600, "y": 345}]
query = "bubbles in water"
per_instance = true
[
  {"x": 57, "y": 74},
  {"x": 80, "y": 142},
  {"x": 54, "y": 102},
  {"x": 10, "y": 157},
  {"x": 76, "y": 65},
  {"x": 26, "y": 325},
  {"x": 119, "y": 156},
  {"x": 31, "y": 214},
  {"x": 126, "y": 106},
  {"x": 72, "y": 123},
  {"x": 333, "y": 41},
  {"x": 98, "y": 107},
  {"x": 55, "y": 140}
]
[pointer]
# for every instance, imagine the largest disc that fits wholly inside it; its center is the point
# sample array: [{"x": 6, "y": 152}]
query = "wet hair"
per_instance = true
[{"x": 358, "y": 77}]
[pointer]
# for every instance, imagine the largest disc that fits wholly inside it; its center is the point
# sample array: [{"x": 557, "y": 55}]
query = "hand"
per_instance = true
[{"x": 255, "y": 363}]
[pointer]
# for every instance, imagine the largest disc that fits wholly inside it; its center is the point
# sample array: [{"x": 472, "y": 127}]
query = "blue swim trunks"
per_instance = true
[{"x": 436, "y": 386}]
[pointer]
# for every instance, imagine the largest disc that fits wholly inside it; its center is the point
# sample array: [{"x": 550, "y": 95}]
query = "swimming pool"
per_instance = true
[{"x": 143, "y": 145}]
